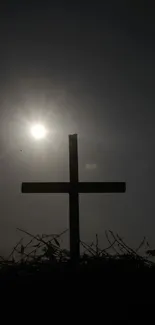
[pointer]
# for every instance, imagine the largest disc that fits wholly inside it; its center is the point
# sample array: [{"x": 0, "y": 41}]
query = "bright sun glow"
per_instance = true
[{"x": 38, "y": 131}]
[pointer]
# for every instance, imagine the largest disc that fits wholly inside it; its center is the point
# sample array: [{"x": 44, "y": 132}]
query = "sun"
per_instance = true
[{"x": 38, "y": 131}]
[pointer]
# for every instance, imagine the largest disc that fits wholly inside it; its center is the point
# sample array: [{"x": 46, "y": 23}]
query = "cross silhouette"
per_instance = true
[{"x": 73, "y": 188}]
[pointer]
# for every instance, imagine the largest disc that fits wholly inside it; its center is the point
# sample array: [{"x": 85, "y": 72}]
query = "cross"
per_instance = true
[{"x": 73, "y": 188}]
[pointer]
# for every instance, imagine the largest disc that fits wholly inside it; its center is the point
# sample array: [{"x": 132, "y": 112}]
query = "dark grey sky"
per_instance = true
[{"x": 85, "y": 68}]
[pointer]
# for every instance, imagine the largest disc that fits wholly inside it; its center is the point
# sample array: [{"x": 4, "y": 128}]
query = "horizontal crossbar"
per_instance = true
[{"x": 81, "y": 187}]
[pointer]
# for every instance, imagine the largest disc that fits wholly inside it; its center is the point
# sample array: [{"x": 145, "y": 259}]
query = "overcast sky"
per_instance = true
[{"x": 79, "y": 68}]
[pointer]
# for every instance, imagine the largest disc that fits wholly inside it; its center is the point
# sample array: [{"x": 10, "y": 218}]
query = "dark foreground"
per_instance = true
[
  {"x": 122, "y": 289},
  {"x": 120, "y": 284}
]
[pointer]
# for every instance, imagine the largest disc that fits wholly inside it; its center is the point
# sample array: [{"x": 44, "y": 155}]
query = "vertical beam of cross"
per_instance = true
[{"x": 74, "y": 199}]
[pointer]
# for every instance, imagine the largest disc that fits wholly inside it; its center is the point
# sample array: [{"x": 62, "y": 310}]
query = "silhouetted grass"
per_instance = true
[
  {"x": 117, "y": 273},
  {"x": 44, "y": 253}
]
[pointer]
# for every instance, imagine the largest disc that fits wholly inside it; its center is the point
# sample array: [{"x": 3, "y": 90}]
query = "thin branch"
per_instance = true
[
  {"x": 127, "y": 247},
  {"x": 120, "y": 243},
  {"x": 141, "y": 244},
  {"x": 88, "y": 248},
  {"x": 112, "y": 245},
  {"x": 14, "y": 249}
]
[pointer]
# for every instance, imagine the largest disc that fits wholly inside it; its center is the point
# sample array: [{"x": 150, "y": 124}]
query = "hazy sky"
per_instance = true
[{"x": 84, "y": 67}]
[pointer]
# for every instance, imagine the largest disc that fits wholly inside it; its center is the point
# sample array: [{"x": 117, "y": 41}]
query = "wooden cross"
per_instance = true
[{"x": 73, "y": 188}]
